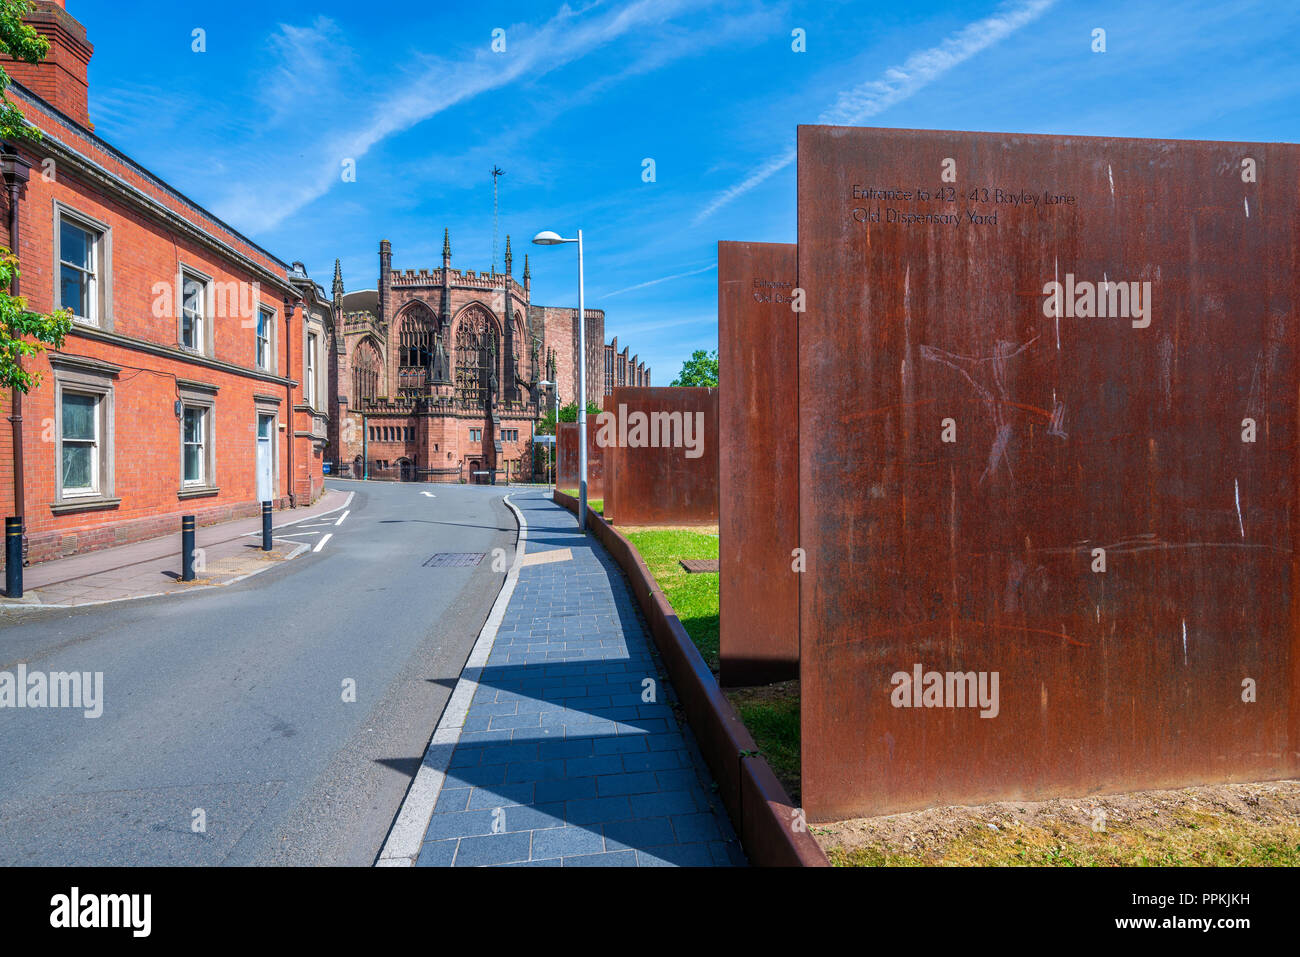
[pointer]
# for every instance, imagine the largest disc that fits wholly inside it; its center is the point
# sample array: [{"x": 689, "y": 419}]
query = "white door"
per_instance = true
[{"x": 265, "y": 458}]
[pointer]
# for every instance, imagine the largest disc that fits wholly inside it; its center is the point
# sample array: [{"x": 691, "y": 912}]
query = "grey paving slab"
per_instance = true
[{"x": 571, "y": 754}]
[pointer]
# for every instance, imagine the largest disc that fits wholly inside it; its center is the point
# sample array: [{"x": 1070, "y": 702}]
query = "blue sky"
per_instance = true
[{"x": 257, "y": 127}]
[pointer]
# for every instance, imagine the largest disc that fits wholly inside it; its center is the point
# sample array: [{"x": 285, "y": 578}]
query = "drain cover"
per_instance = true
[
  {"x": 454, "y": 559},
  {"x": 696, "y": 565}
]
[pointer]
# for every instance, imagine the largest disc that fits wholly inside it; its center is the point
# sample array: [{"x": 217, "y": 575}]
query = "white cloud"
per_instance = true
[
  {"x": 898, "y": 83},
  {"x": 531, "y": 52},
  {"x": 655, "y": 282},
  {"x": 633, "y": 328},
  {"x": 310, "y": 63}
]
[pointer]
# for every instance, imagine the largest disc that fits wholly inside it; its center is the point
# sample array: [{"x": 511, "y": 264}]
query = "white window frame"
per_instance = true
[
  {"x": 96, "y": 445},
  {"x": 91, "y": 274},
  {"x": 200, "y": 319},
  {"x": 204, "y": 439},
  {"x": 85, "y": 376},
  {"x": 265, "y": 344},
  {"x": 201, "y": 397},
  {"x": 101, "y": 258},
  {"x": 309, "y": 372}
]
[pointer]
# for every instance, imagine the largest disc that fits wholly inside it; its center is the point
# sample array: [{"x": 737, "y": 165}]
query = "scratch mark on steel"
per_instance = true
[{"x": 1237, "y": 491}]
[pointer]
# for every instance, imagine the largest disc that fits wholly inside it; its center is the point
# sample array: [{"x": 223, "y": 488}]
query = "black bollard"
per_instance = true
[
  {"x": 187, "y": 548},
  {"x": 14, "y": 557},
  {"x": 266, "y": 526}
]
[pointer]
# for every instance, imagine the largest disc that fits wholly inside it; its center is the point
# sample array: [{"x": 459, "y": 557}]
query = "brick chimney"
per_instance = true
[{"x": 60, "y": 79}]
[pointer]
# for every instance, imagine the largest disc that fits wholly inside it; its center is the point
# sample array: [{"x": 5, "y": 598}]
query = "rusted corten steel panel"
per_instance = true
[
  {"x": 673, "y": 481},
  {"x": 758, "y": 463},
  {"x": 566, "y": 458},
  {"x": 1069, "y": 433}
]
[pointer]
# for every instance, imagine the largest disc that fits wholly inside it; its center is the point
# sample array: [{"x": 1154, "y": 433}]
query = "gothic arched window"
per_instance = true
[
  {"x": 365, "y": 372},
  {"x": 476, "y": 351},
  {"x": 415, "y": 338}
]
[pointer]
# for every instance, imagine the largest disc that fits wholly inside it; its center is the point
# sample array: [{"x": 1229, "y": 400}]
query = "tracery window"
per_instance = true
[
  {"x": 365, "y": 372},
  {"x": 476, "y": 349},
  {"x": 415, "y": 338}
]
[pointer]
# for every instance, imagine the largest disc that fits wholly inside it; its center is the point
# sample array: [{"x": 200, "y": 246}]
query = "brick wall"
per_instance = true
[
  {"x": 148, "y": 246},
  {"x": 560, "y": 331},
  {"x": 60, "y": 78}
]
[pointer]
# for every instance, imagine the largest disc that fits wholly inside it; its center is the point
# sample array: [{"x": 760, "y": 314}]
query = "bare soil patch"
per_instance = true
[{"x": 1222, "y": 824}]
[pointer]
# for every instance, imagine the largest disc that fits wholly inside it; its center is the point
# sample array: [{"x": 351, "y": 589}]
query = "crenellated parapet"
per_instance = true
[
  {"x": 456, "y": 278},
  {"x": 360, "y": 320}
]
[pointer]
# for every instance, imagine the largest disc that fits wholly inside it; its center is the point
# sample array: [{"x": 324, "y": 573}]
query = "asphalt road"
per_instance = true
[{"x": 231, "y": 700}]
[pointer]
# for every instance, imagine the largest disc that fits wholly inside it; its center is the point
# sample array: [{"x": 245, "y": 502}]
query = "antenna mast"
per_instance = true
[{"x": 497, "y": 172}]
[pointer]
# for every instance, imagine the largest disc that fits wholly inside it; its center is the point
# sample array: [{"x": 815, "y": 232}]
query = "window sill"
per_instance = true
[
  {"x": 87, "y": 504},
  {"x": 197, "y": 492}
]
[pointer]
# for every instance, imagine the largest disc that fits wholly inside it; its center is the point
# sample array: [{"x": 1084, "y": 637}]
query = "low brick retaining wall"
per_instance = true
[{"x": 760, "y": 810}]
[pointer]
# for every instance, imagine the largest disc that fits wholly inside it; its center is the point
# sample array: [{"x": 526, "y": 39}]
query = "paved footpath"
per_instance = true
[{"x": 560, "y": 760}]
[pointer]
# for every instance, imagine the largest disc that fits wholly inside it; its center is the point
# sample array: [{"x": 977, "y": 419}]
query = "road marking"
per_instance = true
[
  {"x": 428, "y": 495},
  {"x": 343, "y": 516},
  {"x": 321, "y": 543},
  {"x": 307, "y": 518}
]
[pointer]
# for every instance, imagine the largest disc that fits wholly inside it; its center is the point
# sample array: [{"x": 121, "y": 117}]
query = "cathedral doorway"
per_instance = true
[{"x": 406, "y": 470}]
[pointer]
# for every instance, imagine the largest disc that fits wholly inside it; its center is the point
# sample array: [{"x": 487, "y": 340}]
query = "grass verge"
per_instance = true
[
  {"x": 693, "y": 597},
  {"x": 771, "y": 713},
  {"x": 595, "y": 504}
]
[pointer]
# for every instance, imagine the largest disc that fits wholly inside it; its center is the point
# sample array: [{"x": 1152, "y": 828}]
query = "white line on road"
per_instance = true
[
  {"x": 321, "y": 543},
  {"x": 428, "y": 495},
  {"x": 307, "y": 518},
  {"x": 343, "y": 516}
]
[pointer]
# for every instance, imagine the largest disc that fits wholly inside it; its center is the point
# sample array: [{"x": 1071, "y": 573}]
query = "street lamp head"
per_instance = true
[{"x": 548, "y": 238}]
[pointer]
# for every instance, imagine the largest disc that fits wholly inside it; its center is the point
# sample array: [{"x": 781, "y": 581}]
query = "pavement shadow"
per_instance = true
[{"x": 572, "y": 751}]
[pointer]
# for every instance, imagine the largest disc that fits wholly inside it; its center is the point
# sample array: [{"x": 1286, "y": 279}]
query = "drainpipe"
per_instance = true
[
  {"x": 15, "y": 170},
  {"x": 365, "y": 448},
  {"x": 288, "y": 388}
]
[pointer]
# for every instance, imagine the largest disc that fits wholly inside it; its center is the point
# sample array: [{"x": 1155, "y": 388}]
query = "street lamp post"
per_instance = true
[{"x": 548, "y": 238}]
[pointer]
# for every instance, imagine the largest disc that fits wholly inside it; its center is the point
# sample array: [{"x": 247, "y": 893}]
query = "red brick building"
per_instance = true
[
  {"x": 622, "y": 370},
  {"x": 438, "y": 373},
  {"x": 196, "y": 376}
]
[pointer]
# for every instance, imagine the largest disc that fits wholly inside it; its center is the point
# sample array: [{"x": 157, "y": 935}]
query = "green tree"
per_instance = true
[
  {"x": 22, "y": 332},
  {"x": 22, "y": 42},
  {"x": 701, "y": 369},
  {"x": 568, "y": 413}
]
